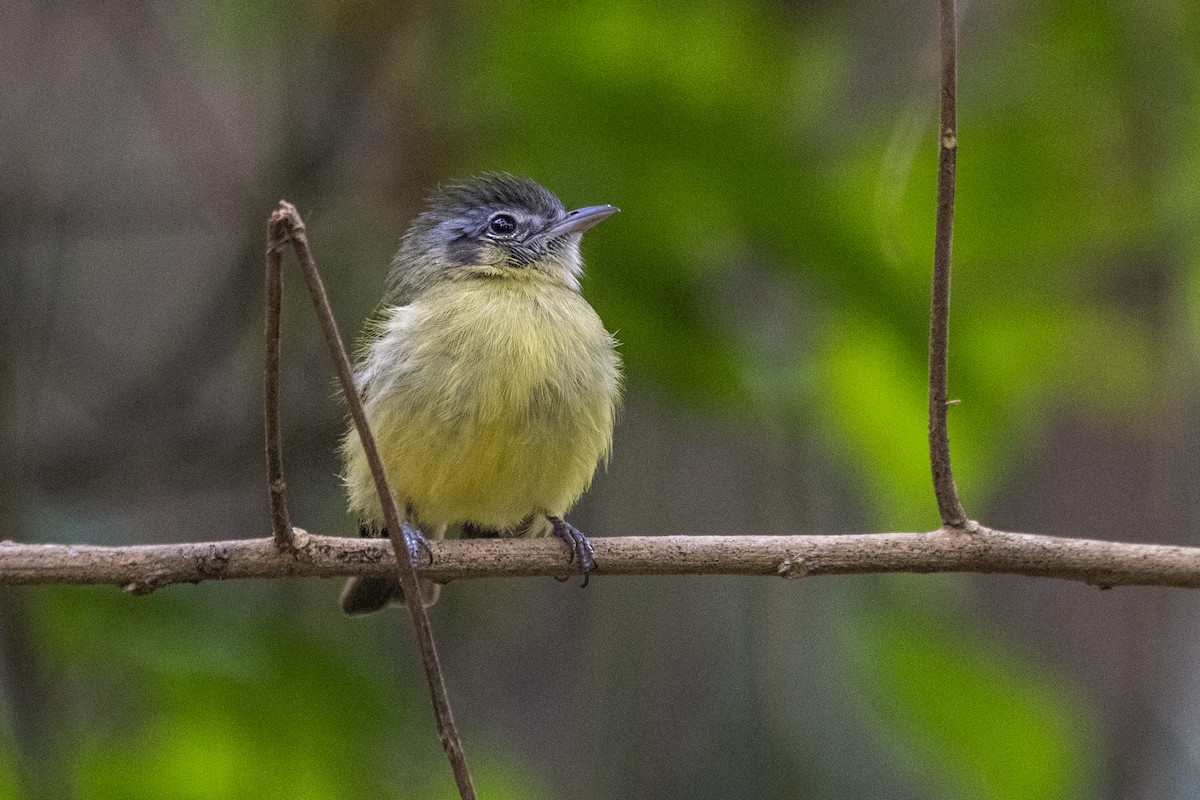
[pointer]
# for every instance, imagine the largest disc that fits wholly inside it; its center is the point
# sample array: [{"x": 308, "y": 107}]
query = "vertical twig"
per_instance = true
[
  {"x": 280, "y": 523},
  {"x": 949, "y": 506},
  {"x": 286, "y": 225}
]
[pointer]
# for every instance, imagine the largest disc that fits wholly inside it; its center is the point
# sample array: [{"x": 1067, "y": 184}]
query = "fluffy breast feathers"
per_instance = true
[{"x": 490, "y": 400}]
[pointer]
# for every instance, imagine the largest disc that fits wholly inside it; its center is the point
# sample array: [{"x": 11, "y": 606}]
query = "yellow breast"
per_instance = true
[{"x": 490, "y": 399}]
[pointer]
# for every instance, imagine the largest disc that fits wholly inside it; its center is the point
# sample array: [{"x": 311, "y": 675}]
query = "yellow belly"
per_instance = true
[{"x": 490, "y": 400}]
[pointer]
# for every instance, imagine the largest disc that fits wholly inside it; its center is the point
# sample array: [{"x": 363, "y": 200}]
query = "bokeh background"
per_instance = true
[{"x": 769, "y": 281}]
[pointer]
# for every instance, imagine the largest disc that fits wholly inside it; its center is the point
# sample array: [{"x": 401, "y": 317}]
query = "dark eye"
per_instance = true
[{"x": 502, "y": 224}]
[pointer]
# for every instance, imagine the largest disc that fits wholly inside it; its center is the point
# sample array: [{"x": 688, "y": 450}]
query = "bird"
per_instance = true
[{"x": 490, "y": 384}]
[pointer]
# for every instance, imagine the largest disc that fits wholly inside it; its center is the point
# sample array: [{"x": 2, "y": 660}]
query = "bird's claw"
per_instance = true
[
  {"x": 578, "y": 547},
  {"x": 416, "y": 543}
]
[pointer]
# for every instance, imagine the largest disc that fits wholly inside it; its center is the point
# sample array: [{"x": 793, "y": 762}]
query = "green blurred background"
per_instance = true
[{"x": 769, "y": 282}]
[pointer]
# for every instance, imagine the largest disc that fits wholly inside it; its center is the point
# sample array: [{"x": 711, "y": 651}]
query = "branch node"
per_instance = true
[
  {"x": 213, "y": 564},
  {"x": 143, "y": 587},
  {"x": 791, "y": 568},
  {"x": 968, "y": 526}
]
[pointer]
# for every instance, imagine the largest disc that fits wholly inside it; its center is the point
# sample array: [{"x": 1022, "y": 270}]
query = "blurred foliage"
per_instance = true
[
  {"x": 765, "y": 187},
  {"x": 970, "y": 717},
  {"x": 234, "y": 703},
  {"x": 715, "y": 127}
]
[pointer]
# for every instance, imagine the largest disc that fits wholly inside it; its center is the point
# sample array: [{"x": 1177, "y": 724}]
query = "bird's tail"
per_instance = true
[
  {"x": 364, "y": 595},
  {"x": 367, "y": 594}
]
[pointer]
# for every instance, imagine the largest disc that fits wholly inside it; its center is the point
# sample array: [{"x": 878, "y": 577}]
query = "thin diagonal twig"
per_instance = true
[
  {"x": 287, "y": 226},
  {"x": 949, "y": 506}
]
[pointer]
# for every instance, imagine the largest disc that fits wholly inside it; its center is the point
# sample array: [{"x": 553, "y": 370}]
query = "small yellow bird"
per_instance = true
[{"x": 490, "y": 384}]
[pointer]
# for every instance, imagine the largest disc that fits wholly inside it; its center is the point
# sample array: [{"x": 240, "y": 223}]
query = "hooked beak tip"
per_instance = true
[{"x": 581, "y": 219}]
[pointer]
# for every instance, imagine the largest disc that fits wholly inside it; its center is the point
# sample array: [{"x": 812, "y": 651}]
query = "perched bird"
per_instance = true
[{"x": 489, "y": 382}]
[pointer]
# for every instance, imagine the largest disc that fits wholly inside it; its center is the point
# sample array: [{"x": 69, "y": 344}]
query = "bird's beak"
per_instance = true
[{"x": 580, "y": 220}]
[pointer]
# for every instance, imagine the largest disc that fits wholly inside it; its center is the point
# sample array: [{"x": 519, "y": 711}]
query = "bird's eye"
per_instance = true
[{"x": 502, "y": 224}]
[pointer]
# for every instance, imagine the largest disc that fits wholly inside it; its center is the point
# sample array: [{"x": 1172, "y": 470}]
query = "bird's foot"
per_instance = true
[
  {"x": 578, "y": 547},
  {"x": 414, "y": 540},
  {"x": 416, "y": 543}
]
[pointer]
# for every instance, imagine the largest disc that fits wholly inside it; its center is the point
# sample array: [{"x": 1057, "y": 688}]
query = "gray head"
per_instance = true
[{"x": 490, "y": 227}]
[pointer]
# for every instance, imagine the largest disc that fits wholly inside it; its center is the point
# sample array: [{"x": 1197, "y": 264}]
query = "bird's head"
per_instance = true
[{"x": 492, "y": 227}]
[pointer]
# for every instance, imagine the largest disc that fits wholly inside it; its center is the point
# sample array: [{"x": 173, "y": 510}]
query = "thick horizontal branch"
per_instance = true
[{"x": 144, "y": 568}]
